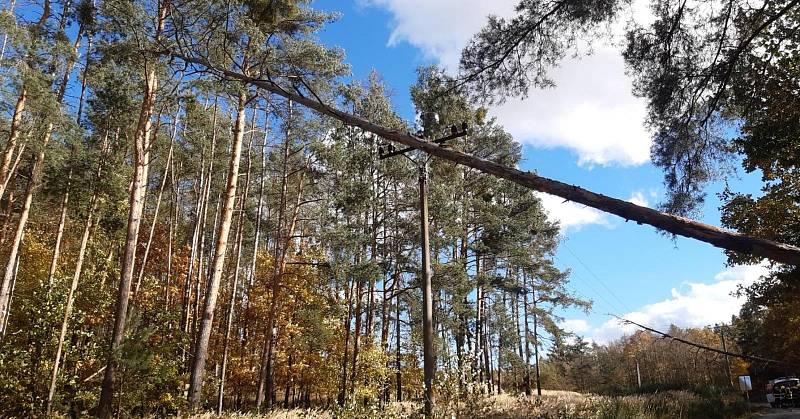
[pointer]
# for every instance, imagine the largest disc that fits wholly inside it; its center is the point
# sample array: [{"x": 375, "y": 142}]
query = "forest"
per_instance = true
[{"x": 203, "y": 213}]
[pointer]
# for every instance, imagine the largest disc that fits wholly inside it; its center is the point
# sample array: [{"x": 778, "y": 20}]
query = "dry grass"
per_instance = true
[{"x": 551, "y": 405}]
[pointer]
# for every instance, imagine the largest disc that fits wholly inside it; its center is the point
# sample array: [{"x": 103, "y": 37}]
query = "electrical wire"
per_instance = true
[
  {"x": 703, "y": 347},
  {"x": 597, "y": 278}
]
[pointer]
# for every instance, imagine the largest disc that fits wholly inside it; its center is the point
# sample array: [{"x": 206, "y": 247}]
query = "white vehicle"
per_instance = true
[{"x": 784, "y": 391}]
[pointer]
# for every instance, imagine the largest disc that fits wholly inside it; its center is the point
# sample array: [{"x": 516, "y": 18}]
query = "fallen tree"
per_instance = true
[{"x": 674, "y": 224}]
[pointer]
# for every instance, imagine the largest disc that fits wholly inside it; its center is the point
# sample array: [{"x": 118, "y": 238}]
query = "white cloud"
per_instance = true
[
  {"x": 639, "y": 198},
  {"x": 575, "y": 325},
  {"x": 570, "y": 215},
  {"x": 591, "y": 111},
  {"x": 440, "y": 28},
  {"x": 700, "y": 304}
]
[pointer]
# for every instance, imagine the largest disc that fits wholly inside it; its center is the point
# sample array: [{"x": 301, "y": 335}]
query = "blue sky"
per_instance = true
[{"x": 588, "y": 131}]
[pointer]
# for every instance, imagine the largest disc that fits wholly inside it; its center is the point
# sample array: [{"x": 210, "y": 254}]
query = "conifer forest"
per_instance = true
[{"x": 204, "y": 214}]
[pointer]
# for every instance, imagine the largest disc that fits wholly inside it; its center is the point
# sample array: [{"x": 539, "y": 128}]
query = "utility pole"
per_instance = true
[
  {"x": 638, "y": 374},
  {"x": 536, "y": 340},
  {"x": 429, "y": 355},
  {"x": 724, "y": 349},
  {"x": 427, "y": 293}
]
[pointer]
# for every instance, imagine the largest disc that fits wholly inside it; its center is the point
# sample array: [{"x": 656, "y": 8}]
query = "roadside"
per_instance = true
[{"x": 764, "y": 411}]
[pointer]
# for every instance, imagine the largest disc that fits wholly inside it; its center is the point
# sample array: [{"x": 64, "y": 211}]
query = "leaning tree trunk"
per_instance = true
[
  {"x": 674, "y": 224},
  {"x": 34, "y": 180},
  {"x": 35, "y": 176},
  {"x": 212, "y": 289},
  {"x": 70, "y": 300},
  {"x": 87, "y": 231}
]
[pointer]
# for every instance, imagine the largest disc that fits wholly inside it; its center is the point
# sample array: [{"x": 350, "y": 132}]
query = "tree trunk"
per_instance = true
[
  {"x": 356, "y": 333},
  {"x": 70, "y": 300},
  {"x": 674, "y": 224},
  {"x": 33, "y": 180},
  {"x": 428, "y": 351},
  {"x": 349, "y": 298},
  {"x": 35, "y": 176},
  {"x": 157, "y": 208},
  {"x": 527, "y": 334},
  {"x": 235, "y": 285},
  {"x": 59, "y": 234},
  {"x": 136, "y": 203},
  {"x": 212, "y": 290},
  {"x": 282, "y": 240},
  {"x": 398, "y": 353},
  {"x": 13, "y": 139},
  {"x": 536, "y": 341},
  {"x": 257, "y": 236}
]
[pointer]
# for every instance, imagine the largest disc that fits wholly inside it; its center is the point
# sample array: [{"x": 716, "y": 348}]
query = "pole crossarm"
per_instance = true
[
  {"x": 674, "y": 224},
  {"x": 439, "y": 141}
]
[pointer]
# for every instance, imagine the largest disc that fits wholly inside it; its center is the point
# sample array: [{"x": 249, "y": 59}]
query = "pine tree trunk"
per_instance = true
[
  {"x": 236, "y": 272},
  {"x": 345, "y": 356},
  {"x": 527, "y": 334},
  {"x": 282, "y": 240},
  {"x": 157, "y": 208},
  {"x": 70, "y": 300},
  {"x": 187, "y": 283},
  {"x": 192, "y": 291},
  {"x": 173, "y": 223},
  {"x": 136, "y": 203},
  {"x": 356, "y": 334},
  {"x": 398, "y": 353},
  {"x": 212, "y": 290},
  {"x": 13, "y": 139},
  {"x": 34, "y": 179},
  {"x": 257, "y": 235},
  {"x": 59, "y": 234}
]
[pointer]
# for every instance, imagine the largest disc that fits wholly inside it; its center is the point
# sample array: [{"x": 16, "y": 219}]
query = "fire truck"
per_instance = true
[{"x": 783, "y": 392}]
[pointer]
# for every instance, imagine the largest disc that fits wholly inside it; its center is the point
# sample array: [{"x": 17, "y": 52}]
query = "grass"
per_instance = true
[{"x": 551, "y": 405}]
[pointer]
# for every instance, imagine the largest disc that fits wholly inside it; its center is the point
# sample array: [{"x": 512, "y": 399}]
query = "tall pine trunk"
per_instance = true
[
  {"x": 13, "y": 139},
  {"x": 167, "y": 164},
  {"x": 212, "y": 288},
  {"x": 136, "y": 202},
  {"x": 236, "y": 273}
]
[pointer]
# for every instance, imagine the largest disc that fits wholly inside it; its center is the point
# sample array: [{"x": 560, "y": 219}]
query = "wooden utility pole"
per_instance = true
[
  {"x": 427, "y": 294},
  {"x": 727, "y": 359},
  {"x": 536, "y": 341},
  {"x": 638, "y": 374},
  {"x": 428, "y": 351}
]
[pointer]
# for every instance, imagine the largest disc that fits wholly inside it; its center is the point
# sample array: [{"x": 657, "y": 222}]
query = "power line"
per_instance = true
[
  {"x": 703, "y": 347},
  {"x": 597, "y": 278},
  {"x": 594, "y": 290}
]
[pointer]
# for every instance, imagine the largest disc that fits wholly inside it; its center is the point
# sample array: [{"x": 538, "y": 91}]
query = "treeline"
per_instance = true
[
  {"x": 644, "y": 363},
  {"x": 170, "y": 240}
]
